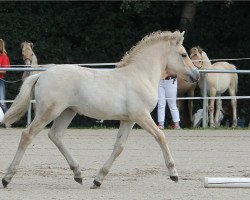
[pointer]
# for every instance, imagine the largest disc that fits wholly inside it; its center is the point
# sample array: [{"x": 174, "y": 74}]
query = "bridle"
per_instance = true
[{"x": 200, "y": 61}]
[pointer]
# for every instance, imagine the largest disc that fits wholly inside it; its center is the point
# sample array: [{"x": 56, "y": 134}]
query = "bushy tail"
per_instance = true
[{"x": 21, "y": 102}]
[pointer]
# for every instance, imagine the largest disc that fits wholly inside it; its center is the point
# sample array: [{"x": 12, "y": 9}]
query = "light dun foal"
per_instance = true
[
  {"x": 128, "y": 93},
  {"x": 218, "y": 83}
]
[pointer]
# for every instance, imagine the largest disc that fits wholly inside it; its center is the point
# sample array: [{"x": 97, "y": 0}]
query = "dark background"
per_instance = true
[{"x": 102, "y": 31}]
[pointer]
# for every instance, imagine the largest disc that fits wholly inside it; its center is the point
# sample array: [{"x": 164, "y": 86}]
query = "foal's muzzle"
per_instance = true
[{"x": 27, "y": 61}]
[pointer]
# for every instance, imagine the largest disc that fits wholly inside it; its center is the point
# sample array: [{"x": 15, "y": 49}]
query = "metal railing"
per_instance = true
[{"x": 205, "y": 97}]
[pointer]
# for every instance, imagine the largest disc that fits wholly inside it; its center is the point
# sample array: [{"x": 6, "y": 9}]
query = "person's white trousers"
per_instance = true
[
  {"x": 167, "y": 89},
  {"x": 1, "y": 114}
]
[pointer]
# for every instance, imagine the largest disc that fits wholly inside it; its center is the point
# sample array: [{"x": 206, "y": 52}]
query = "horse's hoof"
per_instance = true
[
  {"x": 5, "y": 183},
  {"x": 78, "y": 180},
  {"x": 96, "y": 185},
  {"x": 174, "y": 178}
]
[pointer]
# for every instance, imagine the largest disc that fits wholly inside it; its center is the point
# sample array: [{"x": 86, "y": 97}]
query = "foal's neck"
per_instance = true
[
  {"x": 34, "y": 60},
  {"x": 150, "y": 62},
  {"x": 206, "y": 63}
]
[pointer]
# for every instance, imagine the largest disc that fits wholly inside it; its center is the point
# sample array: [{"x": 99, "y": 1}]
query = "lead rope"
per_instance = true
[{"x": 11, "y": 81}]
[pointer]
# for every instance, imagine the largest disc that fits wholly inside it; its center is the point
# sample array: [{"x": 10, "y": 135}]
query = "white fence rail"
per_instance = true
[{"x": 205, "y": 97}]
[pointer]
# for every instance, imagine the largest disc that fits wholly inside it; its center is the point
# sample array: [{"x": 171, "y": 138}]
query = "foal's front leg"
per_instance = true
[
  {"x": 122, "y": 136},
  {"x": 217, "y": 112},
  {"x": 147, "y": 123}
]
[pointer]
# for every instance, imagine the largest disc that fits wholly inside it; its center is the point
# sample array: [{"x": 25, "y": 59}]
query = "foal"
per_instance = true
[
  {"x": 128, "y": 93},
  {"x": 218, "y": 83}
]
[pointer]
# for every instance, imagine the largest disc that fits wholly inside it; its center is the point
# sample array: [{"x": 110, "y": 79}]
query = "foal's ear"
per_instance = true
[
  {"x": 180, "y": 39},
  {"x": 200, "y": 50},
  {"x": 31, "y": 45},
  {"x": 22, "y": 45}
]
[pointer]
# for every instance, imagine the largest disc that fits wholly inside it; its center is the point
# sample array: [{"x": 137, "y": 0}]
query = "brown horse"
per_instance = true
[
  {"x": 218, "y": 83},
  {"x": 186, "y": 87}
]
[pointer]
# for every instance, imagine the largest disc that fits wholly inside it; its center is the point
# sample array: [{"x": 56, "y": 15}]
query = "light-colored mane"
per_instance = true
[{"x": 148, "y": 40}]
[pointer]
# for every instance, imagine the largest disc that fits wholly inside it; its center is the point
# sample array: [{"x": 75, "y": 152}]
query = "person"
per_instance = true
[
  {"x": 4, "y": 62},
  {"x": 167, "y": 92},
  {"x": 1, "y": 115}
]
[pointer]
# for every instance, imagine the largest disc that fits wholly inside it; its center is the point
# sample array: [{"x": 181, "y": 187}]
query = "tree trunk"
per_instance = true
[{"x": 187, "y": 16}]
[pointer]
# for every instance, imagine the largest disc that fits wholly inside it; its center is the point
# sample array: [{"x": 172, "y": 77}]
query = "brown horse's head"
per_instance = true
[{"x": 27, "y": 52}]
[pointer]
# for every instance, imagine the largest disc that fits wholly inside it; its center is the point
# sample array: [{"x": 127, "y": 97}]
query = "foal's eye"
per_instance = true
[{"x": 183, "y": 55}]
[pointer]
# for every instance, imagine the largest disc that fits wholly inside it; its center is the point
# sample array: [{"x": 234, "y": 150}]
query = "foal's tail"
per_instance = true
[
  {"x": 21, "y": 102},
  {"x": 236, "y": 84},
  {"x": 235, "y": 79}
]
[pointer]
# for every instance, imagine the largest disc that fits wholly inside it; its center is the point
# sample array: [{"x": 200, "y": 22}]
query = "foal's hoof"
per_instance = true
[
  {"x": 78, "y": 180},
  {"x": 174, "y": 178},
  {"x": 96, "y": 185},
  {"x": 5, "y": 183}
]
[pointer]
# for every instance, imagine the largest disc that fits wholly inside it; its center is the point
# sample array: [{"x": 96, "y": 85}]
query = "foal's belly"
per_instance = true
[
  {"x": 99, "y": 112},
  {"x": 220, "y": 82}
]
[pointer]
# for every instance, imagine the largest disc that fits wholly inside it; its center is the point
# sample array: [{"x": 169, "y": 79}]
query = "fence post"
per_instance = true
[{"x": 204, "y": 118}]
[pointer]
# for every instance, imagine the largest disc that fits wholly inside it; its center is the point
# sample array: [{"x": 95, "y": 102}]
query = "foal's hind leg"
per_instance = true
[
  {"x": 122, "y": 136},
  {"x": 56, "y": 134},
  {"x": 147, "y": 123},
  {"x": 27, "y": 137},
  {"x": 232, "y": 92}
]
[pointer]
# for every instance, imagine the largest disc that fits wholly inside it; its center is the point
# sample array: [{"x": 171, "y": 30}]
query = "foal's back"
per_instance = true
[{"x": 222, "y": 81}]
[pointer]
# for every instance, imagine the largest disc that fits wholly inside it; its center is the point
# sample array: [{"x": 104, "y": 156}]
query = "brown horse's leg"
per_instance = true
[
  {"x": 56, "y": 134},
  {"x": 122, "y": 136},
  {"x": 147, "y": 123},
  {"x": 191, "y": 104},
  {"x": 212, "y": 93}
]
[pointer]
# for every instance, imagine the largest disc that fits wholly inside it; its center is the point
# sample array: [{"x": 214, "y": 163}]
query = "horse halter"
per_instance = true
[{"x": 200, "y": 61}]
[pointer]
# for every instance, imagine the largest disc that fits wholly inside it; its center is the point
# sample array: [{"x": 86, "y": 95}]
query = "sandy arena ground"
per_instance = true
[{"x": 139, "y": 173}]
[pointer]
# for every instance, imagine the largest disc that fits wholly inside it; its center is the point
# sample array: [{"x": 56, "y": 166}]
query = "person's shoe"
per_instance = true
[
  {"x": 175, "y": 127},
  {"x": 99, "y": 121},
  {"x": 161, "y": 127}
]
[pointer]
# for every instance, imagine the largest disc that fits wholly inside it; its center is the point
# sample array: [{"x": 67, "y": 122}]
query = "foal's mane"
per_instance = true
[
  {"x": 197, "y": 50},
  {"x": 148, "y": 40}
]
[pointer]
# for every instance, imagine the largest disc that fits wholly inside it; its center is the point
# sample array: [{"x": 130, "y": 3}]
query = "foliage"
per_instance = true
[{"x": 102, "y": 31}]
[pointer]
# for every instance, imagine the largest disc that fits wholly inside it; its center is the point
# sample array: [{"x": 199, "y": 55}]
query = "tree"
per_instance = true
[{"x": 187, "y": 15}]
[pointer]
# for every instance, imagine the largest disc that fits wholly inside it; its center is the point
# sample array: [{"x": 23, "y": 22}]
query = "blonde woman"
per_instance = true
[{"x": 4, "y": 62}]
